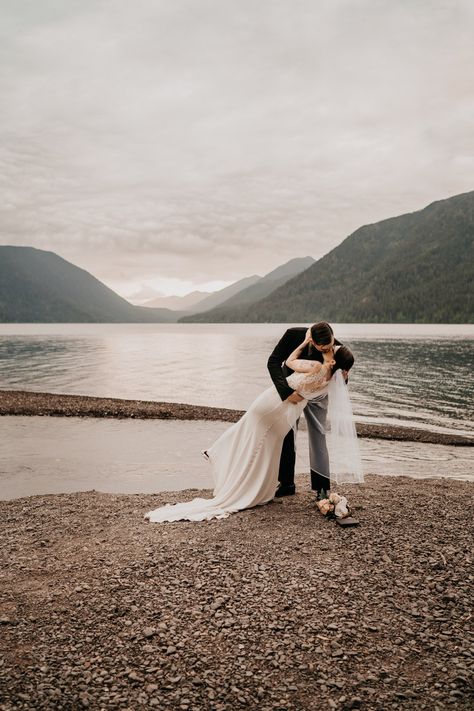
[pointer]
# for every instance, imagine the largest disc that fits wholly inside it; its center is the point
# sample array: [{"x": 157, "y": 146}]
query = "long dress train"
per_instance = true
[
  {"x": 244, "y": 462},
  {"x": 245, "y": 459}
]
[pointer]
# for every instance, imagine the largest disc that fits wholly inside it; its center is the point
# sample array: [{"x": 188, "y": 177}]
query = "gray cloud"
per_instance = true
[{"x": 209, "y": 139}]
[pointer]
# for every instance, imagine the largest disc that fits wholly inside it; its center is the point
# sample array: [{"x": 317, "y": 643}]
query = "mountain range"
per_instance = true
[
  {"x": 219, "y": 297},
  {"x": 414, "y": 268},
  {"x": 175, "y": 303},
  {"x": 244, "y": 291},
  {"x": 37, "y": 286},
  {"x": 258, "y": 289},
  {"x": 201, "y": 300}
]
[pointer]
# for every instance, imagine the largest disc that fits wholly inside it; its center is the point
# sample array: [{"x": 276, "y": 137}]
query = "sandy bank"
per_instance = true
[
  {"x": 272, "y": 608},
  {"x": 17, "y": 402}
]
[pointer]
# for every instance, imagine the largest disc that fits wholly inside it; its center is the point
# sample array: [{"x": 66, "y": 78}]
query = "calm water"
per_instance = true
[
  {"x": 409, "y": 374},
  {"x": 42, "y": 455}
]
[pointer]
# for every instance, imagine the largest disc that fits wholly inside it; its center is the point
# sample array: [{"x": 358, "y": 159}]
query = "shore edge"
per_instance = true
[{"x": 29, "y": 403}]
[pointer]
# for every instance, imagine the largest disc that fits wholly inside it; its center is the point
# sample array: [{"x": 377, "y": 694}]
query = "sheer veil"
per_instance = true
[{"x": 344, "y": 454}]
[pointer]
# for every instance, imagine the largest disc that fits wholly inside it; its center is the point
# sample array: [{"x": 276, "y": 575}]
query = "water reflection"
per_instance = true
[
  {"x": 432, "y": 378},
  {"x": 40, "y": 455},
  {"x": 423, "y": 378}
]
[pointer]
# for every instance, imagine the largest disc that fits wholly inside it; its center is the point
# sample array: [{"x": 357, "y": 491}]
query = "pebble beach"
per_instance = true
[
  {"x": 25, "y": 402},
  {"x": 273, "y": 608}
]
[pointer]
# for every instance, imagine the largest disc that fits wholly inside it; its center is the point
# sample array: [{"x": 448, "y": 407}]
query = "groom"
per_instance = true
[{"x": 315, "y": 411}]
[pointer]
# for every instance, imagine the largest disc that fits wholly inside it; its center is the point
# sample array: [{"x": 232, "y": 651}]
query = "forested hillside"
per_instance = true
[
  {"x": 37, "y": 286},
  {"x": 415, "y": 268}
]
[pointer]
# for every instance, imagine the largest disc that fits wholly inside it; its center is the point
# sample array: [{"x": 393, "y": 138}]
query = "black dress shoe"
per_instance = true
[{"x": 285, "y": 491}]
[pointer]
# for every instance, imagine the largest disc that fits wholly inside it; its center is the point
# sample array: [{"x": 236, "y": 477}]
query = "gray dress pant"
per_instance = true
[{"x": 315, "y": 414}]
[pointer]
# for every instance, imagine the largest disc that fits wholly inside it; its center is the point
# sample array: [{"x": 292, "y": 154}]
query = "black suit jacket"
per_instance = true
[{"x": 285, "y": 346}]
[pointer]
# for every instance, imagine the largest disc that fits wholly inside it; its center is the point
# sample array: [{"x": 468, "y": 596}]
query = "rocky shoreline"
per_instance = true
[
  {"x": 274, "y": 608},
  {"x": 21, "y": 402}
]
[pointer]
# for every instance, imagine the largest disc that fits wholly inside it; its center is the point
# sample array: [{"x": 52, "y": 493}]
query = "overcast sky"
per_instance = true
[{"x": 185, "y": 143}]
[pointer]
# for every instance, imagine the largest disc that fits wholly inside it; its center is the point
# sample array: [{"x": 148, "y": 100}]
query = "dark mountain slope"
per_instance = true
[
  {"x": 418, "y": 267},
  {"x": 230, "y": 309},
  {"x": 40, "y": 286}
]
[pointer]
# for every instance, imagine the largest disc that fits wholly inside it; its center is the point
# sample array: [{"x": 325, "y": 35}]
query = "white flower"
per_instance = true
[{"x": 341, "y": 510}]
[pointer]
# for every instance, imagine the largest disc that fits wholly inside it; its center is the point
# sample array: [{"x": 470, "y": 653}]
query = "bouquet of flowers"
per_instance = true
[{"x": 334, "y": 506}]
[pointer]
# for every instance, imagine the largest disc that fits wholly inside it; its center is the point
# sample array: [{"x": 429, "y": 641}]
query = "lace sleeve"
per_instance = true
[
  {"x": 302, "y": 365},
  {"x": 308, "y": 385}
]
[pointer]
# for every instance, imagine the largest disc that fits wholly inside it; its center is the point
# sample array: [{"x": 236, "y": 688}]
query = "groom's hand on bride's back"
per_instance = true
[{"x": 295, "y": 398}]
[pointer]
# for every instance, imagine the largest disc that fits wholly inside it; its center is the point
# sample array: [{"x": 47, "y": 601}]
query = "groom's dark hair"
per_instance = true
[
  {"x": 344, "y": 359},
  {"x": 322, "y": 333}
]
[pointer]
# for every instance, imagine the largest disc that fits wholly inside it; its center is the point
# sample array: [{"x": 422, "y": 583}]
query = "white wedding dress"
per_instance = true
[{"x": 245, "y": 459}]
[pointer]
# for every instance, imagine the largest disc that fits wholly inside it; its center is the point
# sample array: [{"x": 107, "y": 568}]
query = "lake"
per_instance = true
[
  {"x": 43, "y": 455},
  {"x": 417, "y": 375}
]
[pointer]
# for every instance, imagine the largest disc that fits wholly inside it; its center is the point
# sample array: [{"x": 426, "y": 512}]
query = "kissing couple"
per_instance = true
[{"x": 253, "y": 461}]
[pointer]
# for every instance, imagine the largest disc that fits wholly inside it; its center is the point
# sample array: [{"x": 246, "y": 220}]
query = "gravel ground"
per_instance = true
[
  {"x": 272, "y": 608},
  {"x": 23, "y": 402}
]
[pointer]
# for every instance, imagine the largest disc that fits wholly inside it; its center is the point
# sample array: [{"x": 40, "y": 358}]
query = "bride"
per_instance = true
[{"x": 245, "y": 458}]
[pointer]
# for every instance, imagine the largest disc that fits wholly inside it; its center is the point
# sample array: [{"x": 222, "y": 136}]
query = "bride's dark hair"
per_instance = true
[{"x": 344, "y": 359}]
